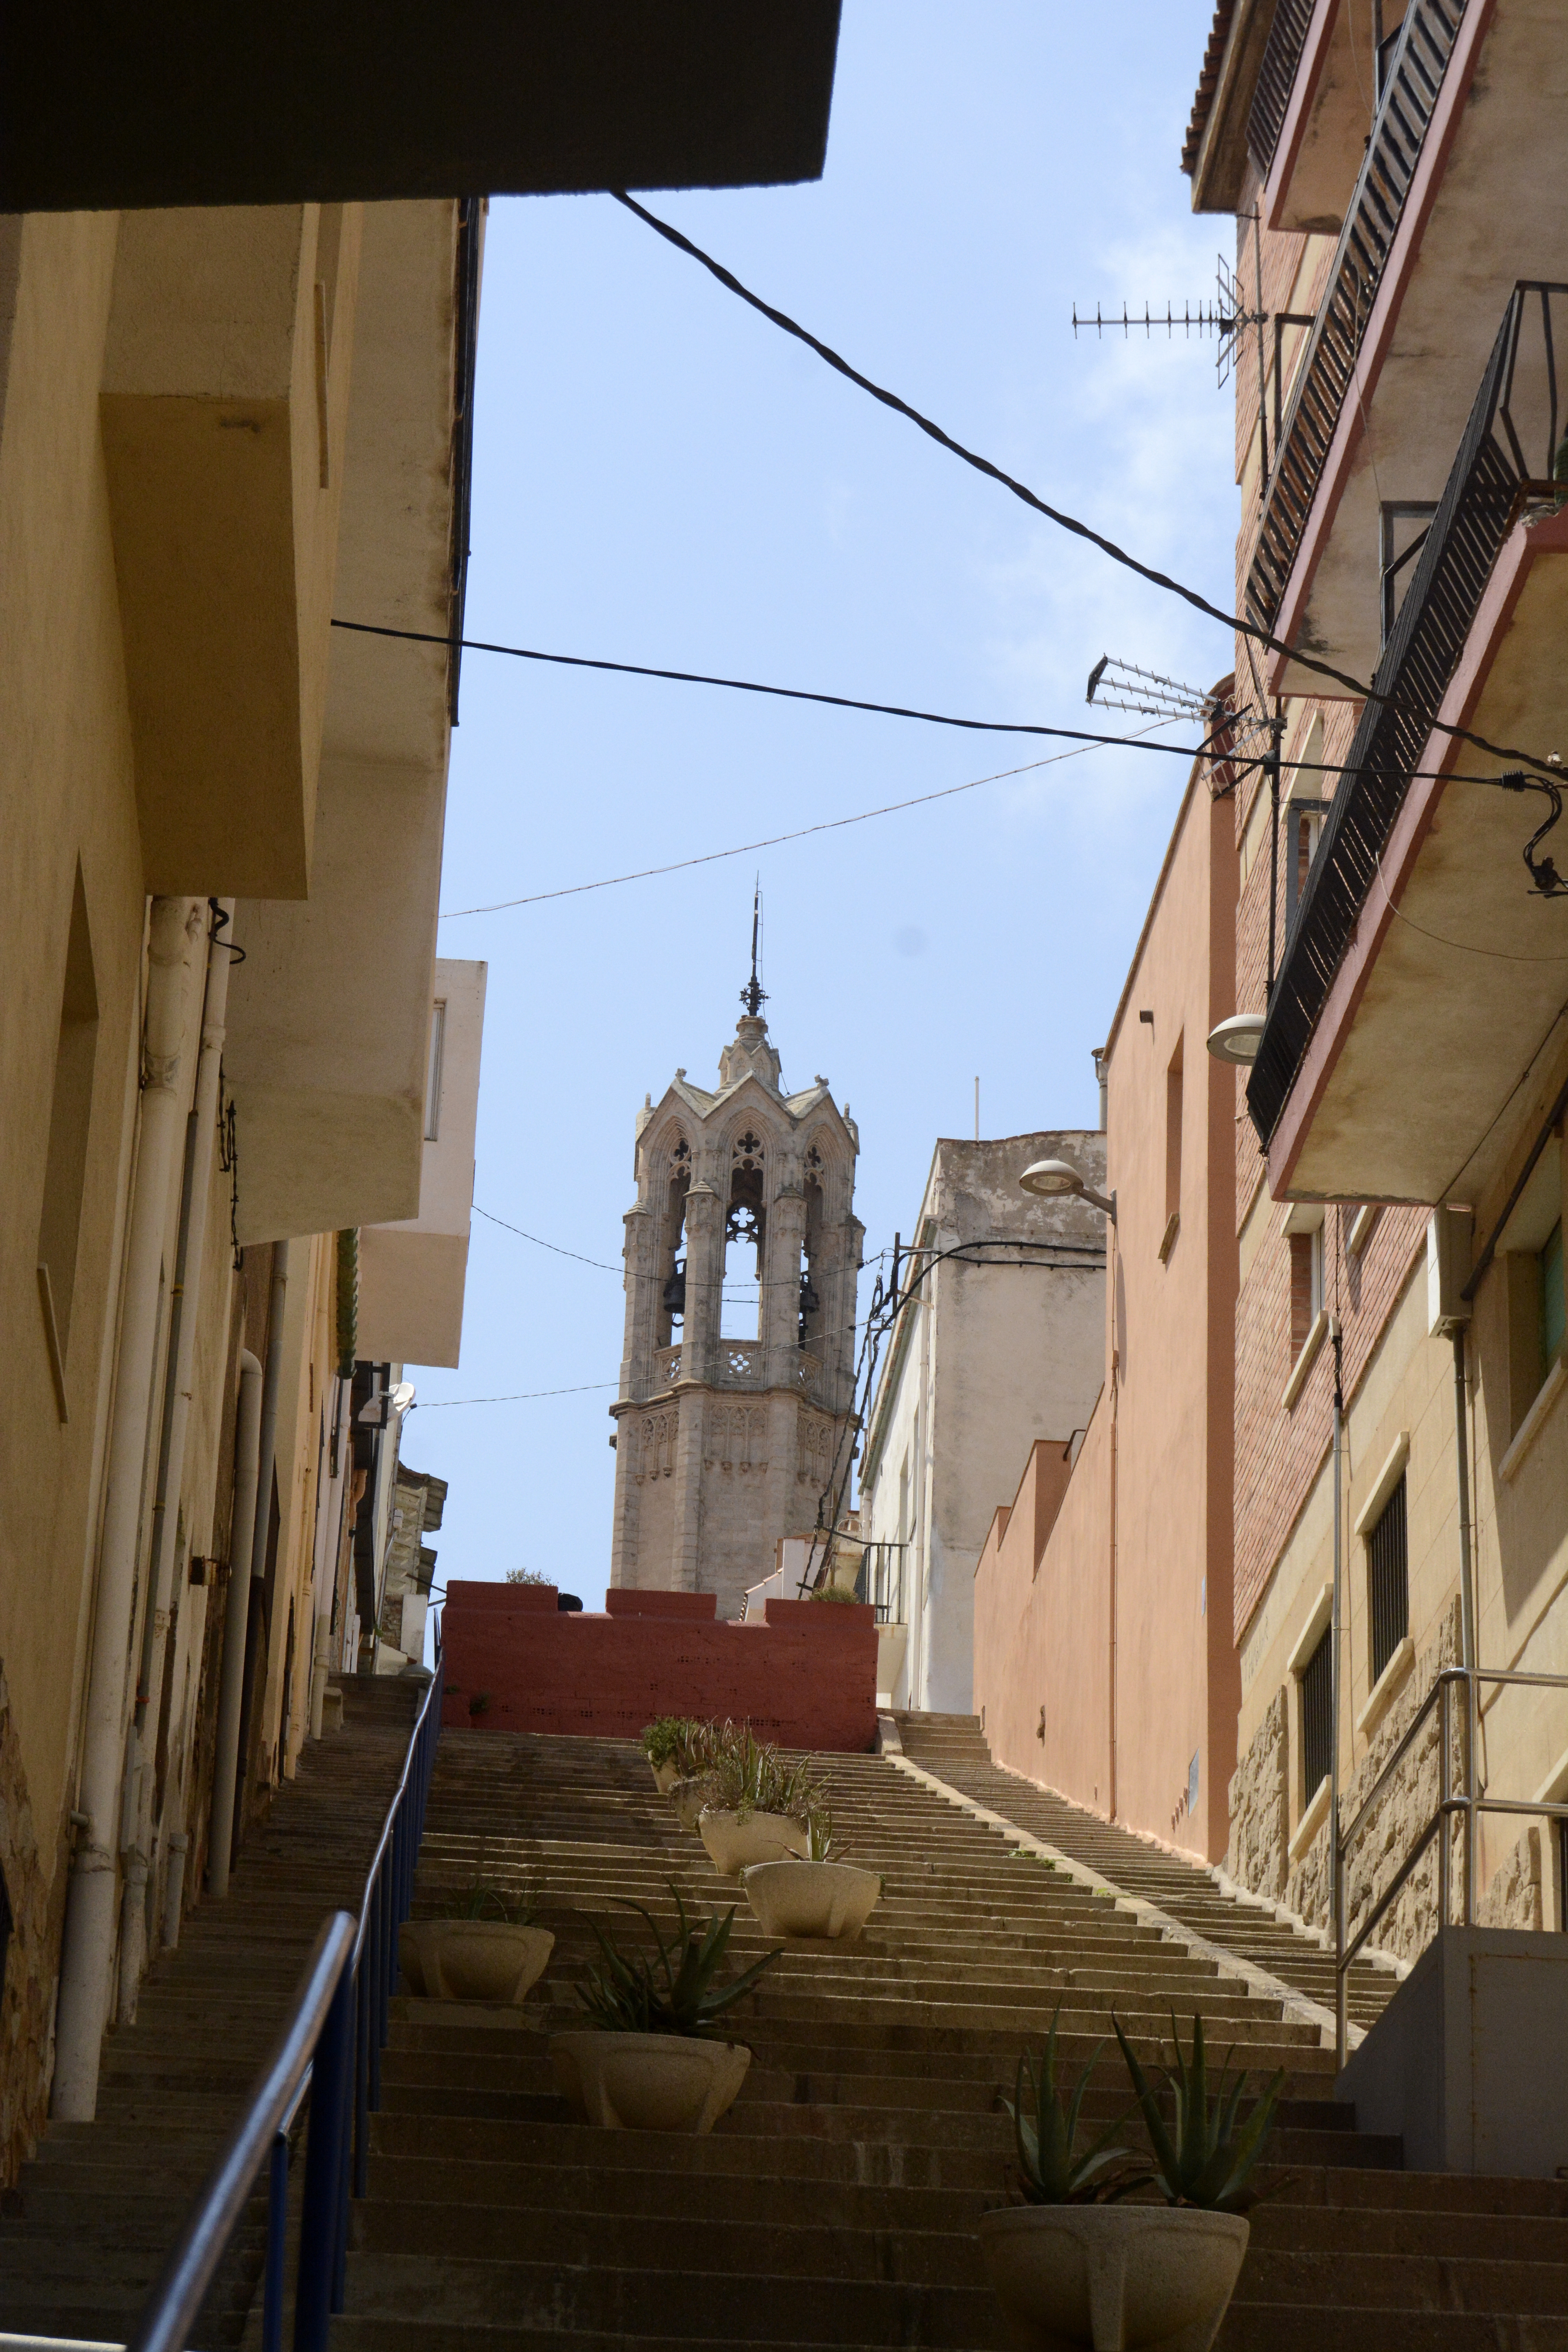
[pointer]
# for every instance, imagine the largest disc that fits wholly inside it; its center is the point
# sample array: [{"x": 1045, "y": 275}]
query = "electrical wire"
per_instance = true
[
  {"x": 528, "y": 1396},
  {"x": 743, "y": 685},
  {"x": 1063, "y": 521},
  {"x": 603, "y": 1264}
]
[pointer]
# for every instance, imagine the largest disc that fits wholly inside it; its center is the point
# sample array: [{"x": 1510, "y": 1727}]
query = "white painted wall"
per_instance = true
[{"x": 986, "y": 1360}]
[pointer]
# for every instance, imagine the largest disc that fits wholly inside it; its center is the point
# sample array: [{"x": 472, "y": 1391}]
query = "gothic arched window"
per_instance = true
[
  {"x": 745, "y": 1229},
  {"x": 670, "y": 1260}
]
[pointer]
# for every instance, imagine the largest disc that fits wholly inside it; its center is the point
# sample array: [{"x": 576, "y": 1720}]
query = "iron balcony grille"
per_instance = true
[
  {"x": 1388, "y": 1588},
  {"x": 1426, "y": 41},
  {"x": 1317, "y": 1718},
  {"x": 1474, "y": 517},
  {"x": 1276, "y": 80}
]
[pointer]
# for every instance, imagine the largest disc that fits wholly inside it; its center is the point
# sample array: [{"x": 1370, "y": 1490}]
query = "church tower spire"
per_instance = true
[{"x": 737, "y": 1374}]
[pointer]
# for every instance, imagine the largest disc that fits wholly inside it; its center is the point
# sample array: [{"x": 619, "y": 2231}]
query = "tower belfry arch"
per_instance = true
[{"x": 737, "y": 1373}]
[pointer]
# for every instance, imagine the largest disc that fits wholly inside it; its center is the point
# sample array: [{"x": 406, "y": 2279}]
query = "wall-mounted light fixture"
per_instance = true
[
  {"x": 1238, "y": 1039},
  {"x": 1058, "y": 1179}
]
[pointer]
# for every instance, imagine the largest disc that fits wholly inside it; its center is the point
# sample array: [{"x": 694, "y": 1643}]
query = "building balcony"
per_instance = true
[
  {"x": 1460, "y": 196},
  {"x": 1422, "y": 968},
  {"x": 1331, "y": 358}
]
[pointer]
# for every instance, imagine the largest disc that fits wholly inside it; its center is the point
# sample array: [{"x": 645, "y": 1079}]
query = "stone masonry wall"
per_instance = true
[{"x": 1260, "y": 1807}]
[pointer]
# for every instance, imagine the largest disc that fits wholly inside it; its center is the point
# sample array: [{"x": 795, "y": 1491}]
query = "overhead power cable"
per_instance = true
[
  {"x": 529, "y": 1396},
  {"x": 603, "y": 1264},
  {"x": 1063, "y": 521},
  {"x": 743, "y": 685}
]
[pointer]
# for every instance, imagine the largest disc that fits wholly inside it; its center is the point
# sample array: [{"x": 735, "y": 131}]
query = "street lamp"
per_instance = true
[
  {"x": 1238, "y": 1039},
  {"x": 1057, "y": 1179}
]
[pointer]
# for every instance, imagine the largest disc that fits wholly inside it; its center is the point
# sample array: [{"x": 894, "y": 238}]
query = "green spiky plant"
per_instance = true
[
  {"x": 751, "y": 1776},
  {"x": 670, "y": 1740},
  {"x": 674, "y": 1990},
  {"x": 483, "y": 1899},
  {"x": 1049, "y": 2172},
  {"x": 1207, "y": 2156},
  {"x": 821, "y": 1843}
]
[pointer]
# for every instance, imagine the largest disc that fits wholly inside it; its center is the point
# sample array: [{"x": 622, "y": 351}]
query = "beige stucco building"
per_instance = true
[
  {"x": 1404, "y": 1223},
  {"x": 734, "y": 1421},
  {"x": 996, "y": 1347}
]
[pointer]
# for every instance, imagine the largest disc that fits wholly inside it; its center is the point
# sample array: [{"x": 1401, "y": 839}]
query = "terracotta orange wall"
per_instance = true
[
  {"x": 1041, "y": 1620},
  {"x": 804, "y": 1677},
  {"x": 1147, "y": 1505}
]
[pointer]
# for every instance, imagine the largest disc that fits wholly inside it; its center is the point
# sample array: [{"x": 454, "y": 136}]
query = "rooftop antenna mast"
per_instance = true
[
  {"x": 1117, "y": 685},
  {"x": 1225, "y": 318},
  {"x": 753, "y": 996}
]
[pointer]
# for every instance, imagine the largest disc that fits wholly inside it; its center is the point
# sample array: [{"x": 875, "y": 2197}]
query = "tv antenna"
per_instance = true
[
  {"x": 1117, "y": 685},
  {"x": 1225, "y": 318}
]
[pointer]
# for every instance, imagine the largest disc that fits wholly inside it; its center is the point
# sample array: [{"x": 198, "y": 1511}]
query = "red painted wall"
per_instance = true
[{"x": 804, "y": 1677}]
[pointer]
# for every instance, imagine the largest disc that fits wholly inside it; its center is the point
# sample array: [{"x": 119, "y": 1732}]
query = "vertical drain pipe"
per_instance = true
[
  {"x": 1336, "y": 1854},
  {"x": 267, "y": 1451},
  {"x": 1467, "y": 1642},
  {"x": 91, "y": 1901},
  {"x": 184, "y": 1307},
  {"x": 231, "y": 1686}
]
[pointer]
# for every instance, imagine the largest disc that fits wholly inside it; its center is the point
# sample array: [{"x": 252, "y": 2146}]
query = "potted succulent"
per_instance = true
[
  {"x": 483, "y": 1946},
  {"x": 1076, "y": 2265},
  {"x": 691, "y": 1753},
  {"x": 760, "y": 1805},
  {"x": 650, "y": 2060},
  {"x": 818, "y": 1894},
  {"x": 666, "y": 1742}
]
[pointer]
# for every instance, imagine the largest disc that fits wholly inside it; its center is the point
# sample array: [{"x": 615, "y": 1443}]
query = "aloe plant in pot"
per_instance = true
[
  {"x": 760, "y": 1806},
  {"x": 483, "y": 1947},
  {"x": 674, "y": 1746},
  {"x": 818, "y": 1893},
  {"x": 1078, "y": 2265},
  {"x": 651, "y": 2060}
]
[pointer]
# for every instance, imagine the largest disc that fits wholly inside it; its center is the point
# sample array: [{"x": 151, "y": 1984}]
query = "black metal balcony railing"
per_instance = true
[
  {"x": 1276, "y": 80},
  {"x": 1415, "y": 77},
  {"x": 1490, "y": 479}
]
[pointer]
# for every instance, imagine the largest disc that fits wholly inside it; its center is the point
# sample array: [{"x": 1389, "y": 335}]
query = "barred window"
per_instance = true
[
  {"x": 1317, "y": 1718},
  {"x": 1388, "y": 1580}
]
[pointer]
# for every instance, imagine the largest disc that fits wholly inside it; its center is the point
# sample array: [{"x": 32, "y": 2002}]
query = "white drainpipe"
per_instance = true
[
  {"x": 184, "y": 1309},
  {"x": 91, "y": 1905},
  {"x": 329, "y": 1541},
  {"x": 231, "y": 1684}
]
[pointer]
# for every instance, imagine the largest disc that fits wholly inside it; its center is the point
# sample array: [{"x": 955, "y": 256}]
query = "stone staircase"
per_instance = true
[
  {"x": 92, "y": 2220},
  {"x": 953, "y": 1749},
  {"x": 836, "y": 2204}
]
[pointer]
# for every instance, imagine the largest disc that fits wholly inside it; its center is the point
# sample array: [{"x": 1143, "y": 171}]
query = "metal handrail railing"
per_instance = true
[
  {"x": 329, "y": 2049},
  {"x": 1465, "y": 1801},
  {"x": 1491, "y": 479},
  {"x": 1409, "y": 98}
]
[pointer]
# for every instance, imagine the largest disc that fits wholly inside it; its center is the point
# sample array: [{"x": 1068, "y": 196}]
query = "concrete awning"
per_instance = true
[
  {"x": 185, "y": 104},
  {"x": 1457, "y": 971}
]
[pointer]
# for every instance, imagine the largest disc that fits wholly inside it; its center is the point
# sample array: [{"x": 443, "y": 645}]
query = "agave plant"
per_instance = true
[
  {"x": 753, "y": 1778},
  {"x": 663, "y": 1740},
  {"x": 1049, "y": 2172},
  {"x": 1207, "y": 2156},
  {"x": 483, "y": 1899},
  {"x": 821, "y": 1843},
  {"x": 675, "y": 1991}
]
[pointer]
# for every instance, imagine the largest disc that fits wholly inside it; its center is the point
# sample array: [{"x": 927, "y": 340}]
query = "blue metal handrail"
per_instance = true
[{"x": 329, "y": 2048}]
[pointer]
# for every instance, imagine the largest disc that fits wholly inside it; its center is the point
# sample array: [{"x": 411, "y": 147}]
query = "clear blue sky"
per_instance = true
[{"x": 661, "y": 476}]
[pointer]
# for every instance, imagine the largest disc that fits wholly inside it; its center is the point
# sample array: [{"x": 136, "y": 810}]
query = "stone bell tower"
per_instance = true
[{"x": 737, "y": 1378}]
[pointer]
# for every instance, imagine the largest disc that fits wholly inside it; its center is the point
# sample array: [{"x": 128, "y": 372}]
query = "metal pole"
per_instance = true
[
  {"x": 1335, "y": 1849},
  {"x": 326, "y": 2156},
  {"x": 1271, "y": 770},
  {"x": 1445, "y": 1728},
  {"x": 1467, "y": 1645},
  {"x": 277, "y": 2228}
]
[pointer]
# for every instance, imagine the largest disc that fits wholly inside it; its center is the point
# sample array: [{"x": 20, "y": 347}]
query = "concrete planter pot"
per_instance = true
[
  {"x": 648, "y": 2082},
  {"x": 688, "y": 1797},
  {"x": 1119, "y": 2278},
  {"x": 812, "y": 1898},
  {"x": 473, "y": 1960},
  {"x": 733, "y": 1843},
  {"x": 664, "y": 1775}
]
